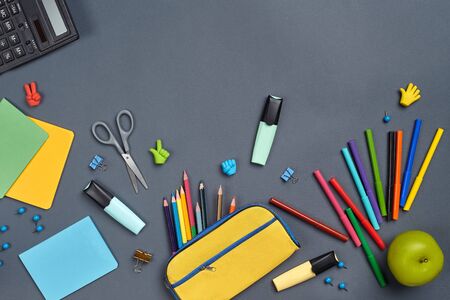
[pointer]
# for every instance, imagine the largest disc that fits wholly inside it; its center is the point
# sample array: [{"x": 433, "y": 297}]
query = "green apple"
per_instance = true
[{"x": 415, "y": 258}]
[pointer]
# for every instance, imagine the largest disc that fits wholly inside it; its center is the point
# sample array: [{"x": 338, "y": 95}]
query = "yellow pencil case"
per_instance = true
[{"x": 230, "y": 255}]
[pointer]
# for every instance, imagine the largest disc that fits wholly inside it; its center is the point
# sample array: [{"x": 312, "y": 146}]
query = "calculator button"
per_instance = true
[
  {"x": 8, "y": 25},
  {"x": 3, "y": 44},
  {"x": 29, "y": 47},
  {"x": 18, "y": 51},
  {"x": 4, "y": 13},
  {"x": 13, "y": 9},
  {"x": 14, "y": 39},
  {"x": 7, "y": 56}
]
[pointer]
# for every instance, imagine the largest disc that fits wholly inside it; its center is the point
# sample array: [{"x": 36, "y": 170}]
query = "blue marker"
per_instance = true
[
  {"x": 360, "y": 188},
  {"x": 410, "y": 161}
]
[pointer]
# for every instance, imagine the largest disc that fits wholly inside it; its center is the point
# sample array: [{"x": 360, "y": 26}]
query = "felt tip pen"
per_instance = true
[
  {"x": 114, "y": 207},
  {"x": 267, "y": 129},
  {"x": 305, "y": 271},
  {"x": 410, "y": 161}
]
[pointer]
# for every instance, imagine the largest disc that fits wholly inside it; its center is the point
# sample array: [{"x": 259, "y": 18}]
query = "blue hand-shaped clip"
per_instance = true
[
  {"x": 98, "y": 162},
  {"x": 229, "y": 167},
  {"x": 288, "y": 175}
]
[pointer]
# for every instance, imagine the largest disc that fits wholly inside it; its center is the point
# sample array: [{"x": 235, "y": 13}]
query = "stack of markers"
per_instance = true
[
  {"x": 375, "y": 204},
  {"x": 185, "y": 222}
]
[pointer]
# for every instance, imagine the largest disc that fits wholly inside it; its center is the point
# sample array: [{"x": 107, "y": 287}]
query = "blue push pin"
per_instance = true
[
  {"x": 328, "y": 281},
  {"x": 341, "y": 265},
  {"x": 4, "y": 228},
  {"x": 6, "y": 246},
  {"x": 36, "y": 218},
  {"x": 386, "y": 118},
  {"x": 21, "y": 210},
  {"x": 288, "y": 175},
  {"x": 342, "y": 286},
  {"x": 39, "y": 228}
]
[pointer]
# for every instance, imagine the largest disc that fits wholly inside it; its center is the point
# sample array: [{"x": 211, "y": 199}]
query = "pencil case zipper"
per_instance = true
[{"x": 206, "y": 264}]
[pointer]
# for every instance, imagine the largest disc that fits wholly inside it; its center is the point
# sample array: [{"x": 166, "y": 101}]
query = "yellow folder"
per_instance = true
[{"x": 39, "y": 181}]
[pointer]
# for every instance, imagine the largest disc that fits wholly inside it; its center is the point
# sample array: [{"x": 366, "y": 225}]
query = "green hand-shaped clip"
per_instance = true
[
  {"x": 411, "y": 95},
  {"x": 160, "y": 155}
]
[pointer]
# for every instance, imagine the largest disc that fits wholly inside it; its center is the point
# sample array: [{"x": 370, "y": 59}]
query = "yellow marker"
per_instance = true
[
  {"x": 180, "y": 216},
  {"x": 411, "y": 95},
  {"x": 185, "y": 215},
  {"x": 423, "y": 169}
]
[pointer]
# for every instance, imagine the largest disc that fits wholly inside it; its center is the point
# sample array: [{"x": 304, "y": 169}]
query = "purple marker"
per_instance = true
[{"x": 362, "y": 173}]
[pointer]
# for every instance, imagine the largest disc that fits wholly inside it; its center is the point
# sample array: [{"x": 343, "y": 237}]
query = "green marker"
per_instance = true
[
  {"x": 369, "y": 254},
  {"x": 267, "y": 129},
  {"x": 376, "y": 172}
]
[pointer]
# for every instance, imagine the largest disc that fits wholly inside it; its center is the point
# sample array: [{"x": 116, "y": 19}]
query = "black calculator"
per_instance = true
[{"x": 32, "y": 28}]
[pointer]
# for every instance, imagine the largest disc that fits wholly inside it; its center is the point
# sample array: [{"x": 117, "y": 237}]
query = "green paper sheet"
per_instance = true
[{"x": 20, "y": 140}]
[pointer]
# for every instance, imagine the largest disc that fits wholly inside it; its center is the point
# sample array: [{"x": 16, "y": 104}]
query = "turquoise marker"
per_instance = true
[
  {"x": 176, "y": 222},
  {"x": 360, "y": 188}
]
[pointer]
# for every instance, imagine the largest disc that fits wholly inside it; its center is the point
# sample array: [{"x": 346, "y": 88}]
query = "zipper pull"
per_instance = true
[{"x": 209, "y": 268}]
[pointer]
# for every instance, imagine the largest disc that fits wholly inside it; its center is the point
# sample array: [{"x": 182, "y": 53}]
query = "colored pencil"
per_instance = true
[
  {"x": 369, "y": 254},
  {"x": 187, "y": 189},
  {"x": 299, "y": 215},
  {"x": 176, "y": 221},
  {"x": 170, "y": 228},
  {"x": 232, "y": 205},
  {"x": 397, "y": 173},
  {"x": 364, "y": 222},
  {"x": 365, "y": 181},
  {"x": 219, "y": 203},
  {"x": 181, "y": 218},
  {"x": 360, "y": 188},
  {"x": 410, "y": 161},
  {"x": 391, "y": 174},
  {"x": 423, "y": 169},
  {"x": 198, "y": 216},
  {"x": 187, "y": 225},
  {"x": 337, "y": 208},
  {"x": 376, "y": 172},
  {"x": 202, "y": 192}
]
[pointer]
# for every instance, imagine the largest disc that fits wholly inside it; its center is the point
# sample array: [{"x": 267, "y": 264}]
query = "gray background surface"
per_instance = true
[{"x": 196, "y": 74}]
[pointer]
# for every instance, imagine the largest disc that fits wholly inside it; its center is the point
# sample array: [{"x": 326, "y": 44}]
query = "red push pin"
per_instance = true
[{"x": 33, "y": 97}]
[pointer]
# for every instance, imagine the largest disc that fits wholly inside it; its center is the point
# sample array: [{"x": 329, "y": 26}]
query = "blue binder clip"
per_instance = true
[
  {"x": 98, "y": 162},
  {"x": 288, "y": 175}
]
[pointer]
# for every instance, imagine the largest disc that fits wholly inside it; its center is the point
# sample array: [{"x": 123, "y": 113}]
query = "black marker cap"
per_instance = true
[
  {"x": 323, "y": 262},
  {"x": 272, "y": 109},
  {"x": 98, "y": 193}
]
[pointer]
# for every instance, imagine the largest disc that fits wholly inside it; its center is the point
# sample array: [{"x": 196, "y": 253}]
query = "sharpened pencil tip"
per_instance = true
[
  {"x": 201, "y": 185},
  {"x": 165, "y": 202},
  {"x": 181, "y": 190},
  {"x": 185, "y": 176},
  {"x": 197, "y": 207},
  {"x": 220, "y": 190}
]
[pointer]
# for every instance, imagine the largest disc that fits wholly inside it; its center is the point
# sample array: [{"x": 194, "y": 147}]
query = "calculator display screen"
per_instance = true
[{"x": 55, "y": 17}]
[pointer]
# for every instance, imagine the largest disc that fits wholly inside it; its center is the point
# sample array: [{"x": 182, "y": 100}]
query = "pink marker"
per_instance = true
[{"x": 344, "y": 219}]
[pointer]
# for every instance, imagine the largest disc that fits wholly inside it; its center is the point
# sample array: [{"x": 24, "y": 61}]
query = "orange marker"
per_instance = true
[
  {"x": 398, "y": 166},
  {"x": 232, "y": 205}
]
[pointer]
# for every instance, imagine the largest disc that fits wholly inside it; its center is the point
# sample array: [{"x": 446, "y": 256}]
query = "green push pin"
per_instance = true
[{"x": 160, "y": 155}]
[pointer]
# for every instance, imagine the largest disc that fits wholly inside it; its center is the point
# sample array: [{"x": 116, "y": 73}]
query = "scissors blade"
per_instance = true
[
  {"x": 133, "y": 179},
  {"x": 130, "y": 163}
]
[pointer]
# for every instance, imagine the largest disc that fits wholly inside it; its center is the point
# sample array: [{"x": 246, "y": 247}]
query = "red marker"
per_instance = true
[
  {"x": 309, "y": 220},
  {"x": 370, "y": 230}
]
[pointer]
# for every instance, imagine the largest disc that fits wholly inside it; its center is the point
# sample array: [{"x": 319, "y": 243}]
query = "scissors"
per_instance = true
[{"x": 132, "y": 168}]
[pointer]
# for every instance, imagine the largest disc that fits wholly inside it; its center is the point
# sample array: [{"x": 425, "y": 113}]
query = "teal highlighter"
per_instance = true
[
  {"x": 360, "y": 188},
  {"x": 267, "y": 129}
]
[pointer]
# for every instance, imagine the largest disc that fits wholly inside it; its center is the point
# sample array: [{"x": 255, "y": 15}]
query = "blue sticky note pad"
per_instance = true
[{"x": 69, "y": 260}]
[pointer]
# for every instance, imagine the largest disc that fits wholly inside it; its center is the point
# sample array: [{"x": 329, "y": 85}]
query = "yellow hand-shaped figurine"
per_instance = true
[{"x": 411, "y": 95}]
